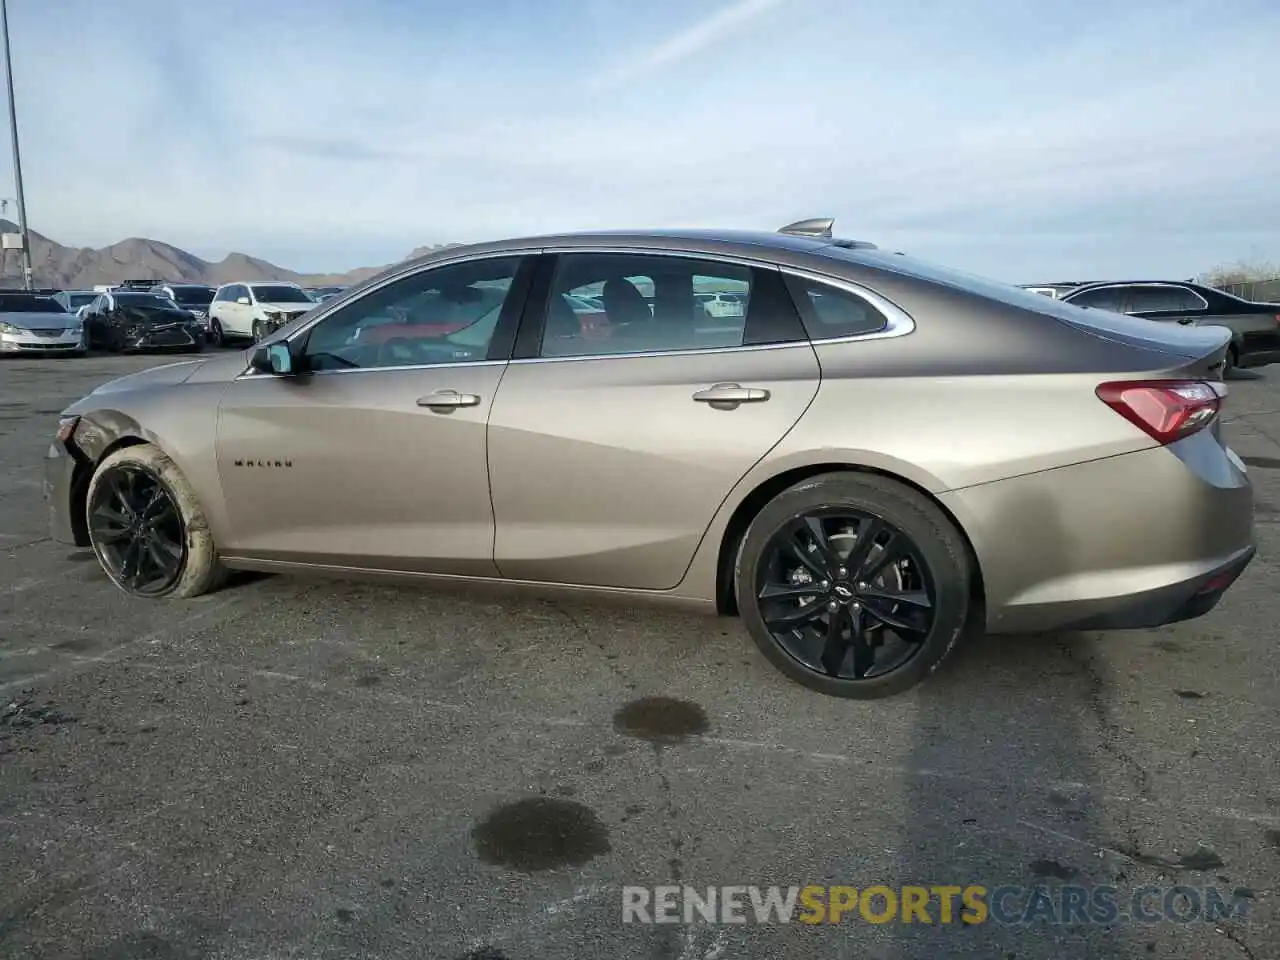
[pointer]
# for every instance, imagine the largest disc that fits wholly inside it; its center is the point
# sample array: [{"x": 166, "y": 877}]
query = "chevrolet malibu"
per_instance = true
[{"x": 876, "y": 457}]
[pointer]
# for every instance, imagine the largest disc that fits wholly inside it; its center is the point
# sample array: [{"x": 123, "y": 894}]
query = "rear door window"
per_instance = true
[
  {"x": 605, "y": 304},
  {"x": 1156, "y": 299},
  {"x": 1114, "y": 299}
]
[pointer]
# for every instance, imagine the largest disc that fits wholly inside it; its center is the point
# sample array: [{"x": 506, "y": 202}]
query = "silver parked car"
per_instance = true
[
  {"x": 878, "y": 455},
  {"x": 31, "y": 323}
]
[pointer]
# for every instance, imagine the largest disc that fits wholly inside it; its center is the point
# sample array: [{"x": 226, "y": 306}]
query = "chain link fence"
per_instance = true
[{"x": 1260, "y": 291}]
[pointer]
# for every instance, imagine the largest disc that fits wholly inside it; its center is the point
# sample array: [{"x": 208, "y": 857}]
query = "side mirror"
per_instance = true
[
  {"x": 242, "y": 300},
  {"x": 274, "y": 358}
]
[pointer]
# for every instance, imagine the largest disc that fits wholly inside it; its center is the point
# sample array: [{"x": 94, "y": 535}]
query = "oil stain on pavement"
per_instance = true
[
  {"x": 661, "y": 720},
  {"x": 540, "y": 833}
]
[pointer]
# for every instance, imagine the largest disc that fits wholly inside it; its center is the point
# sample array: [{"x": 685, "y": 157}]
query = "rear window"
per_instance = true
[
  {"x": 28, "y": 303},
  {"x": 1189, "y": 341},
  {"x": 1101, "y": 322}
]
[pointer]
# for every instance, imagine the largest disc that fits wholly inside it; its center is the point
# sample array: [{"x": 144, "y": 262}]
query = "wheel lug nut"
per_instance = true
[
  {"x": 825, "y": 585},
  {"x": 833, "y": 606},
  {"x": 862, "y": 586},
  {"x": 842, "y": 572},
  {"x": 855, "y": 606}
]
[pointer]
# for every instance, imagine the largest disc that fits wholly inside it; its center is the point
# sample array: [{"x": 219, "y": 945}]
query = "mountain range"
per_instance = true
[{"x": 80, "y": 268}]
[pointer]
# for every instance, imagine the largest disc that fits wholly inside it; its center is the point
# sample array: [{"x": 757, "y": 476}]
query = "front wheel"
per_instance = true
[
  {"x": 147, "y": 528},
  {"x": 258, "y": 333},
  {"x": 854, "y": 585},
  {"x": 216, "y": 334}
]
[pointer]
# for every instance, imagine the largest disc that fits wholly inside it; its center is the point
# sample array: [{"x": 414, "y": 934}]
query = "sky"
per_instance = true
[{"x": 1027, "y": 141}]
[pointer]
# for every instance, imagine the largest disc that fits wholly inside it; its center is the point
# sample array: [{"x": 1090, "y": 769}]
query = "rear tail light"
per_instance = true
[{"x": 1166, "y": 410}]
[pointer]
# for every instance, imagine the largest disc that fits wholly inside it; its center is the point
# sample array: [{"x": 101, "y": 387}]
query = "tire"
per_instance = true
[
  {"x": 1232, "y": 362},
  {"x": 257, "y": 331},
  {"x": 216, "y": 334},
  {"x": 199, "y": 570},
  {"x": 939, "y": 563}
]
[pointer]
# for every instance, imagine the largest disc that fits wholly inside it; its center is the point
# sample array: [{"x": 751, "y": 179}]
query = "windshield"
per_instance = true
[
  {"x": 28, "y": 303},
  {"x": 193, "y": 296},
  {"x": 150, "y": 301},
  {"x": 280, "y": 293},
  {"x": 77, "y": 300}
]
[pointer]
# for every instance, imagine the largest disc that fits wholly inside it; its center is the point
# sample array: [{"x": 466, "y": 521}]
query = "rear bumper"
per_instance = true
[
  {"x": 1258, "y": 348},
  {"x": 1180, "y": 601},
  {"x": 1132, "y": 541}
]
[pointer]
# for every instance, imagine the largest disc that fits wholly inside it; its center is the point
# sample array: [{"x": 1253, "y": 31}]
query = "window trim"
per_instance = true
[
  {"x": 900, "y": 323},
  {"x": 1142, "y": 285},
  {"x": 897, "y": 322},
  {"x": 324, "y": 311},
  {"x": 534, "y": 319}
]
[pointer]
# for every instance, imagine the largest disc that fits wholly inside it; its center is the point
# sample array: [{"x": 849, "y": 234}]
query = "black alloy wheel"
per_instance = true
[
  {"x": 215, "y": 333},
  {"x": 846, "y": 594},
  {"x": 137, "y": 530}
]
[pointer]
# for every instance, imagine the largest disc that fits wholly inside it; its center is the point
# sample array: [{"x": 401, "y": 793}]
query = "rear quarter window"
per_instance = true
[{"x": 829, "y": 313}]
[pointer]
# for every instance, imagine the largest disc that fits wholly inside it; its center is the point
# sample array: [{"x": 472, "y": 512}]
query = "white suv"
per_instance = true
[{"x": 253, "y": 310}]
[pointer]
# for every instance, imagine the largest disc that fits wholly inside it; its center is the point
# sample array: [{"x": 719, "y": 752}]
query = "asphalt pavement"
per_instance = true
[{"x": 317, "y": 769}]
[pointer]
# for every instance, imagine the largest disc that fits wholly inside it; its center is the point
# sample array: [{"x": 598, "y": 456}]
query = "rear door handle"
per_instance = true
[
  {"x": 731, "y": 393},
  {"x": 448, "y": 400}
]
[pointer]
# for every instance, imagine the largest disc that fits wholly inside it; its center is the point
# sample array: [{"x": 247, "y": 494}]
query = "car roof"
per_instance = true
[
  {"x": 749, "y": 244},
  {"x": 1092, "y": 284}
]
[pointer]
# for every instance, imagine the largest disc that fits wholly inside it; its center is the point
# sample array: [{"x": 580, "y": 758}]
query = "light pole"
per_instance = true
[{"x": 17, "y": 158}]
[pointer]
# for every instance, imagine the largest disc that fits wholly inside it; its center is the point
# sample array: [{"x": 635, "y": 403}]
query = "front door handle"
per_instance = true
[
  {"x": 731, "y": 394},
  {"x": 448, "y": 400}
]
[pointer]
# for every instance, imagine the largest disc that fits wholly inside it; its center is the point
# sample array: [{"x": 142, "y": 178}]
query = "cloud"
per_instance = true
[
  {"x": 339, "y": 149},
  {"x": 718, "y": 28},
  {"x": 1018, "y": 140}
]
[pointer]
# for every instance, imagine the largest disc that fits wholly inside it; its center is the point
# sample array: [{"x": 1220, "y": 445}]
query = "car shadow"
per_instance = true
[
  {"x": 1245, "y": 374},
  {"x": 1003, "y": 789}
]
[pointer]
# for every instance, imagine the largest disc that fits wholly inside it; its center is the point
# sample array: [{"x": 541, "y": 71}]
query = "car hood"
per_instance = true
[
  {"x": 156, "y": 315},
  {"x": 168, "y": 375},
  {"x": 39, "y": 320},
  {"x": 289, "y": 307}
]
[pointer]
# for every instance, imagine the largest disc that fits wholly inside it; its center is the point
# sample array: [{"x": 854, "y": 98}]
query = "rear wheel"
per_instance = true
[
  {"x": 853, "y": 585},
  {"x": 147, "y": 528},
  {"x": 1232, "y": 361}
]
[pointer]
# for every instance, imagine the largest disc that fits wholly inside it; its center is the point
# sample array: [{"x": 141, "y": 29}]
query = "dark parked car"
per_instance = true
[
  {"x": 1057, "y": 289},
  {"x": 126, "y": 321},
  {"x": 192, "y": 297},
  {"x": 1255, "y": 327}
]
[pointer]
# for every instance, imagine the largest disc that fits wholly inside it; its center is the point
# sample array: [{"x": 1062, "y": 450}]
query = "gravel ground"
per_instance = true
[{"x": 311, "y": 769}]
